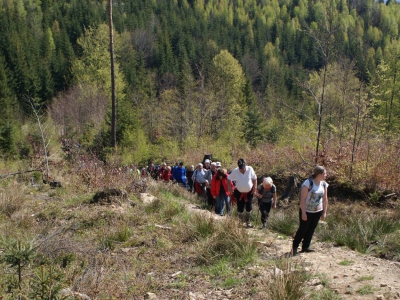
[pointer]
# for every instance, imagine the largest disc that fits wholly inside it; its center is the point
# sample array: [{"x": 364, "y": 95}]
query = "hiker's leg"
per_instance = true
[
  {"x": 249, "y": 203},
  {"x": 314, "y": 219},
  {"x": 217, "y": 207},
  {"x": 210, "y": 198},
  {"x": 228, "y": 205},
  {"x": 303, "y": 227},
  {"x": 249, "y": 207},
  {"x": 222, "y": 203}
]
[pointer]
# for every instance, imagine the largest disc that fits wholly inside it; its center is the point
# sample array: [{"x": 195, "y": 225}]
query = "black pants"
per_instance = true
[
  {"x": 265, "y": 208},
  {"x": 210, "y": 198},
  {"x": 241, "y": 204},
  {"x": 306, "y": 230}
]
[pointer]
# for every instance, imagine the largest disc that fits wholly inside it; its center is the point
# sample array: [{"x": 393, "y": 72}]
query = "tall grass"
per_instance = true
[
  {"x": 289, "y": 283},
  {"x": 284, "y": 221},
  {"x": 227, "y": 241},
  {"x": 11, "y": 199},
  {"x": 362, "y": 230}
]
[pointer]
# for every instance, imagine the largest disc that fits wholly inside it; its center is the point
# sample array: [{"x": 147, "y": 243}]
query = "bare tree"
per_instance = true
[
  {"x": 44, "y": 135},
  {"x": 113, "y": 93},
  {"x": 323, "y": 36}
]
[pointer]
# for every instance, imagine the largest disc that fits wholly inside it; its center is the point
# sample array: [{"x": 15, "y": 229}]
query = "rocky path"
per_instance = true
[{"x": 350, "y": 274}]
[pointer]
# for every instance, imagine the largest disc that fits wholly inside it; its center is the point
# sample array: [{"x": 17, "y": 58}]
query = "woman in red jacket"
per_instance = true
[{"x": 220, "y": 192}]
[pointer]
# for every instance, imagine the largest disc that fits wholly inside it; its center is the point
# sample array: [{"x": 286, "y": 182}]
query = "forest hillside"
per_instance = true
[{"x": 285, "y": 83}]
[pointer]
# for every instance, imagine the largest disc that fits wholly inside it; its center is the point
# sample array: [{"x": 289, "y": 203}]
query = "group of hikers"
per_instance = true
[{"x": 220, "y": 188}]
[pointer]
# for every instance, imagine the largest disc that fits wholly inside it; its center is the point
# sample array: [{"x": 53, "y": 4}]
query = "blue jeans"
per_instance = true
[{"x": 219, "y": 204}]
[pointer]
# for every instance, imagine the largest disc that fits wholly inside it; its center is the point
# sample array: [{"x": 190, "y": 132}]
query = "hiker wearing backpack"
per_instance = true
[
  {"x": 246, "y": 182},
  {"x": 266, "y": 193},
  {"x": 313, "y": 207},
  {"x": 220, "y": 192}
]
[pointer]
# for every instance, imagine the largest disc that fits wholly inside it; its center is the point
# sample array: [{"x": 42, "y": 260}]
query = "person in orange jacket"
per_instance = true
[{"x": 220, "y": 191}]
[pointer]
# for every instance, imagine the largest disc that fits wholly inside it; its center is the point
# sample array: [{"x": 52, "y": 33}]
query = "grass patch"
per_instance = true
[
  {"x": 231, "y": 282},
  {"x": 289, "y": 283},
  {"x": 325, "y": 294},
  {"x": 228, "y": 240},
  {"x": 365, "y": 278},
  {"x": 346, "y": 262},
  {"x": 361, "y": 230},
  {"x": 366, "y": 290},
  {"x": 284, "y": 221},
  {"x": 220, "y": 269}
]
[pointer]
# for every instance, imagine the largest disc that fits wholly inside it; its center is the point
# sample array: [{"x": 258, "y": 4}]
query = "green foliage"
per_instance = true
[
  {"x": 17, "y": 254},
  {"x": 46, "y": 283}
]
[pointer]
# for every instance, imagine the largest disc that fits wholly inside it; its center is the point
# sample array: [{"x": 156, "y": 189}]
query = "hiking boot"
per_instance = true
[
  {"x": 307, "y": 250},
  {"x": 248, "y": 224},
  {"x": 294, "y": 251},
  {"x": 264, "y": 226}
]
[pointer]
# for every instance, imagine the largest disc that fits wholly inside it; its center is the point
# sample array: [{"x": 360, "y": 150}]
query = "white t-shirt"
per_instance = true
[
  {"x": 315, "y": 195},
  {"x": 244, "y": 182}
]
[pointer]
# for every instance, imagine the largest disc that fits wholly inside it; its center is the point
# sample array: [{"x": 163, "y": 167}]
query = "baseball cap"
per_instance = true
[{"x": 241, "y": 163}]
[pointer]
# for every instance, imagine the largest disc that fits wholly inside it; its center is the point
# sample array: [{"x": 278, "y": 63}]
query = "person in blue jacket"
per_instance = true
[{"x": 179, "y": 175}]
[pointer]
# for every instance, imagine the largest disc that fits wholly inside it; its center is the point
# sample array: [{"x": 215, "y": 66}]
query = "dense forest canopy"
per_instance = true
[{"x": 201, "y": 74}]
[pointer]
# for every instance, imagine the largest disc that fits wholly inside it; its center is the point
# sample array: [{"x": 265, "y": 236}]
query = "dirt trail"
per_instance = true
[{"x": 350, "y": 274}]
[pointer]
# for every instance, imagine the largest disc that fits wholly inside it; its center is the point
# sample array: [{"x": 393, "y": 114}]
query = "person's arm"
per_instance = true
[
  {"x": 325, "y": 204},
  {"x": 275, "y": 199},
  {"x": 230, "y": 190},
  {"x": 254, "y": 185},
  {"x": 304, "y": 193}
]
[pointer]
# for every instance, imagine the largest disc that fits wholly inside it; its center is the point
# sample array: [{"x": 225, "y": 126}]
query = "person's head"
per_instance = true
[
  {"x": 213, "y": 166},
  {"x": 221, "y": 173},
  {"x": 319, "y": 171},
  {"x": 267, "y": 182},
  {"x": 218, "y": 164},
  {"x": 200, "y": 166},
  {"x": 241, "y": 163},
  {"x": 163, "y": 165},
  {"x": 168, "y": 168},
  {"x": 181, "y": 164},
  {"x": 207, "y": 163},
  {"x": 191, "y": 167}
]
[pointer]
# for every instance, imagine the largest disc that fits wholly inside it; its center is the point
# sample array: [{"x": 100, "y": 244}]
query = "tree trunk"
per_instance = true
[{"x": 113, "y": 95}]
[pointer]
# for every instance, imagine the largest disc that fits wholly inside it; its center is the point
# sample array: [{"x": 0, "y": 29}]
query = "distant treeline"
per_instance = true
[{"x": 199, "y": 72}]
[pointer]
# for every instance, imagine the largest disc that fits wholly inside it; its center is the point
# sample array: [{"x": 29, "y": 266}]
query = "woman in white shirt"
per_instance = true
[{"x": 313, "y": 207}]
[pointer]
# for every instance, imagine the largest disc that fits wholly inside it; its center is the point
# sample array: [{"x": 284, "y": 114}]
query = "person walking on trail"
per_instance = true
[
  {"x": 246, "y": 182},
  {"x": 200, "y": 181},
  {"x": 189, "y": 175},
  {"x": 179, "y": 175},
  {"x": 266, "y": 193},
  {"x": 209, "y": 175},
  {"x": 220, "y": 192},
  {"x": 313, "y": 207}
]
